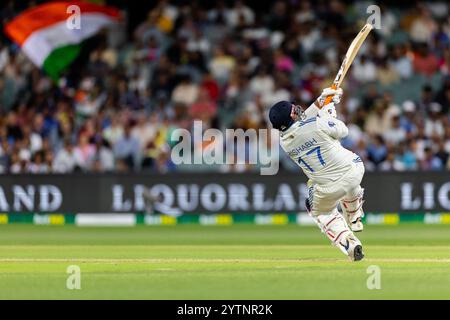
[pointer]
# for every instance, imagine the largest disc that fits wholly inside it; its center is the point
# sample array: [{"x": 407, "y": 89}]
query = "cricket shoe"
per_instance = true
[
  {"x": 353, "y": 212},
  {"x": 357, "y": 225},
  {"x": 353, "y": 247},
  {"x": 354, "y": 221}
]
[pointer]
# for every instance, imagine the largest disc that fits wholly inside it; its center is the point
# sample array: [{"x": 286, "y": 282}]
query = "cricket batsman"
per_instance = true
[{"x": 311, "y": 138}]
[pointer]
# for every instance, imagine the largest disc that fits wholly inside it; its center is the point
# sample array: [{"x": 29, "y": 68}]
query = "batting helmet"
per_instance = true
[{"x": 280, "y": 115}]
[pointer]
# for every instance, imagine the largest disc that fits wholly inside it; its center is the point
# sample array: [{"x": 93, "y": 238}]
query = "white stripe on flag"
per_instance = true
[{"x": 42, "y": 42}]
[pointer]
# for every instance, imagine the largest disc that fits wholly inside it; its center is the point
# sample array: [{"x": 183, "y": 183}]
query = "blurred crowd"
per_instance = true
[{"x": 225, "y": 63}]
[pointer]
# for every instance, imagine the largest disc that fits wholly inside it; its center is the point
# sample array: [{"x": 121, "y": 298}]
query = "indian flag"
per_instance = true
[{"x": 47, "y": 38}]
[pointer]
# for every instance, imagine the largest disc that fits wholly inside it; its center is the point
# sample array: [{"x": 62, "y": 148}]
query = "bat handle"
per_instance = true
[{"x": 328, "y": 99}]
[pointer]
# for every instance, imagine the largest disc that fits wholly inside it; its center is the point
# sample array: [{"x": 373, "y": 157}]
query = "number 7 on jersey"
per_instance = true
[{"x": 319, "y": 156}]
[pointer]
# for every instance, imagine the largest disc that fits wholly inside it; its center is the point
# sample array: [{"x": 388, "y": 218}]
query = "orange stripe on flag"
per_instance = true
[{"x": 41, "y": 16}]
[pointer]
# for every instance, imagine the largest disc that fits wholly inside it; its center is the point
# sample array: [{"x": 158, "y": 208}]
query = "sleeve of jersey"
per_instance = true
[
  {"x": 312, "y": 111},
  {"x": 333, "y": 127}
]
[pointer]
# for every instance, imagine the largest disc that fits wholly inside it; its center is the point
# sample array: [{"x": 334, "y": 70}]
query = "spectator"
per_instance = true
[
  {"x": 127, "y": 149},
  {"x": 377, "y": 121},
  {"x": 114, "y": 131},
  {"x": 262, "y": 83},
  {"x": 407, "y": 120},
  {"x": 408, "y": 156},
  {"x": 38, "y": 164},
  {"x": 401, "y": 62},
  {"x": 211, "y": 86},
  {"x": 386, "y": 74},
  {"x": 392, "y": 163},
  {"x": 240, "y": 15},
  {"x": 278, "y": 18},
  {"x": 85, "y": 152},
  {"x": 377, "y": 150},
  {"x": 431, "y": 161},
  {"x": 186, "y": 92},
  {"x": 104, "y": 159},
  {"x": 426, "y": 99},
  {"x": 221, "y": 65},
  {"x": 396, "y": 134},
  {"x": 442, "y": 153},
  {"x": 425, "y": 62},
  {"x": 424, "y": 26},
  {"x": 204, "y": 108},
  {"x": 364, "y": 70},
  {"x": 66, "y": 160},
  {"x": 145, "y": 128},
  {"x": 434, "y": 124}
]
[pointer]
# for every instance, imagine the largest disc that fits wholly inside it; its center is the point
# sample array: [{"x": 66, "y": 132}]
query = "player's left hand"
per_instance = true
[{"x": 336, "y": 93}]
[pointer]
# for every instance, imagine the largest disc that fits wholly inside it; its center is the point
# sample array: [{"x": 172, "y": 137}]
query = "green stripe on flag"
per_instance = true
[{"x": 60, "y": 58}]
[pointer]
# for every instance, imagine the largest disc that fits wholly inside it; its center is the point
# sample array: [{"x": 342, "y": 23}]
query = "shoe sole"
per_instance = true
[{"x": 358, "y": 253}]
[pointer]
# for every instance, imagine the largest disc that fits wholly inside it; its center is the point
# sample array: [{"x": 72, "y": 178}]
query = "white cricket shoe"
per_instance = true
[
  {"x": 357, "y": 225},
  {"x": 353, "y": 247},
  {"x": 353, "y": 212},
  {"x": 354, "y": 221}
]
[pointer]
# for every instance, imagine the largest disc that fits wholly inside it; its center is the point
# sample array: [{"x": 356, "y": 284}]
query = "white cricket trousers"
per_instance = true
[{"x": 325, "y": 198}]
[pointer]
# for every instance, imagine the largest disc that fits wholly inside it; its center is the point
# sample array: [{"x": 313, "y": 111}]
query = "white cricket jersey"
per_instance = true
[{"x": 314, "y": 145}]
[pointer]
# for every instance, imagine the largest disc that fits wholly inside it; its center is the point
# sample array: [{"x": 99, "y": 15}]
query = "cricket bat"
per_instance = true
[{"x": 349, "y": 57}]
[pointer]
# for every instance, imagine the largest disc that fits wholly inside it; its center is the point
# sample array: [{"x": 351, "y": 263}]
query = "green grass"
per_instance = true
[{"x": 228, "y": 262}]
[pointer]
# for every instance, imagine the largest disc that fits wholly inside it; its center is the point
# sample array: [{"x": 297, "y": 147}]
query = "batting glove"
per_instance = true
[{"x": 336, "y": 93}]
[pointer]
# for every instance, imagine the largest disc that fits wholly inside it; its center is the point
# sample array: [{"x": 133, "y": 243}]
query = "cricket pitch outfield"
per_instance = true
[{"x": 221, "y": 262}]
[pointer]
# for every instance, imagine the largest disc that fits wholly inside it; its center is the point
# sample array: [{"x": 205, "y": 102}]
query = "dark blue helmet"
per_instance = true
[{"x": 280, "y": 115}]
